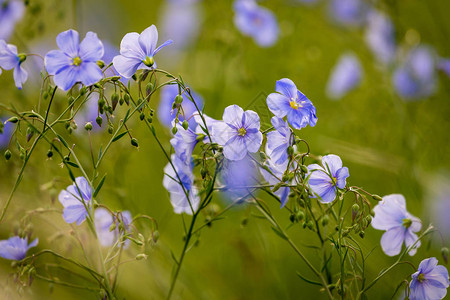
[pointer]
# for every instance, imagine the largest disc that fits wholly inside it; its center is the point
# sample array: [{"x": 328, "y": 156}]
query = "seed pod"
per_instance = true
[
  {"x": 99, "y": 121},
  {"x": 134, "y": 142},
  {"x": 185, "y": 125},
  {"x": 178, "y": 99},
  {"x": 325, "y": 220},
  {"x": 49, "y": 153},
  {"x": 7, "y": 154},
  {"x": 174, "y": 130},
  {"x": 88, "y": 126}
]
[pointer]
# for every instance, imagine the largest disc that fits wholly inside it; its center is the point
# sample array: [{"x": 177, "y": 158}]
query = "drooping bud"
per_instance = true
[
  {"x": 101, "y": 64},
  {"x": 134, "y": 142},
  {"x": 290, "y": 150},
  {"x": 445, "y": 252},
  {"x": 377, "y": 198},
  {"x": 174, "y": 130},
  {"x": 178, "y": 99},
  {"x": 325, "y": 220},
  {"x": 99, "y": 121},
  {"x": 88, "y": 126},
  {"x": 13, "y": 120},
  {"x": 7, "y": 154},
  {"x": 185, "y": 125}
]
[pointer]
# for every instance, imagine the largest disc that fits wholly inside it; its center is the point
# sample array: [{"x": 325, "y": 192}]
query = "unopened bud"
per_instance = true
[
  {"x": 361, "y": 234},
  {"x": 174, "y": 130},
  {"x": 155, "y": 236},
  {"x": 13, "y": 120},
  {"x": 88, "y": 126},
  {"x": 185, "y": 125},
  {"x": 444, "y": 252},
  {"x": 101, "y": 64},
  {"x": 141, "y": 256},
  {"x": 134, "y": 142},
  {"x": 99, "y": 121},
  {"x": 377, "y": 198},
  {"x": 178, "y": 99},
  {"x": 290, "y": 150},
  {"x": 7, "y": 154},
  {"x": 325, "y": 220}
]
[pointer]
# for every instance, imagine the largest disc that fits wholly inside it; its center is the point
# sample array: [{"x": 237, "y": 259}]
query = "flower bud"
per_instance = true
[
  {"x": 99, "y": 121},
  {"x": 7, "y": 154},
  {"x": 185, "y": 125},
  {"x": 115, "y": 78},
  {"x": 110, "y": 129},
  {"x": 141, "y": 256},
  {"x": 134, "y": 142},
  {"x": 361, "y": 234},
  {"x": 355, "y": 208},
  {"x": 88, "y": 126},
  {"x": 325, "y": 220},
  {"x": 155, "y": 236},
  {"x": 304, "y": 168},
  {"x": 178, "y": 99},
  {"x": 101, "y": 64},
  {"x": 49, "y": 153},
  {"x": 114, "y": 100},
  {"x": 13, "y": 120},
  {"x": 203, "y": 172},
  {"x": 174, "y": 130},
  {"x": 377, "y": 198},
  {"x": 45, "y": 95},
  {"x": 121, "y": 101},
  {"x": 101, "y": 102},
  {"x": 285, "y": 177},
  {"x": 290, "y": 150},
  {"x": 149, "y": 87},
  {"x": 142, "y": 116},
  {"x": 126, "y": 98},
  {"x": 113, "y": 226},
  {"x": 445, "y": 252},
  {"x": 83, "y": 91},
  {"x": 150, "y": 119}
]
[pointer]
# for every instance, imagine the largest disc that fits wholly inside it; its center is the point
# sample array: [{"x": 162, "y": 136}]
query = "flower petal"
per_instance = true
[
  {"x": 233, "y": 115},
  {"x": 166, "y": 43},
  {"x": 68, "y": 41},
  {"x": 91, "y": 48},
  {"x": 332, "y": 162},
  {"x": 286, "y": 87},
  {"x": 235, "y": 148},
  {"x": 89, "y": 73},
  {"x": 20, "y": 76},
  {"x": 148, "y": 40},
  {"x": 253, "y": 141},
  {"x": 392, "y": 240},
  {"x": 251, "y": 120},
  {"x": 126, "y": 66},
  {"x": 129, "y": 46},
  {"x": 278, "y": 104},
  {"x": 56, "y": 60},
  {"x": 66, "y": 77}
]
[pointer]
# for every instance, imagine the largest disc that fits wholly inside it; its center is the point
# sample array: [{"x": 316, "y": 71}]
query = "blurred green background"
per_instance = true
[{"x": 388, "y": 144}]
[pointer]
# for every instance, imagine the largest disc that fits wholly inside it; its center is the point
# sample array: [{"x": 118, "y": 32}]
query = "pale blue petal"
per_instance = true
[
  {"x": 148, "y": 40},
  {"x": 91, "y": 48},
  {"x": 286, "y": 87},
  {"x": 392, "y": 240},
  {"x": 68, "y": 41},
  {"x": 166, "y": 43},
  {"x": 129, "y": 46},
  {"x": 333, "y": 163},
  {"x": 251, "y": 120},
  {"x": 233, "y": 115},
  {"x": 278, "y": 104},
  {"x": 20, "y": 76},
  {"x": 253, "y": 141},
  {"x": 126, "y": 66},
  {"x": 89, "y": 73},
  {"x": 56, "y": 60},
  {"x": 235, "y": 148},
  {"x": 66, "y": 77}
]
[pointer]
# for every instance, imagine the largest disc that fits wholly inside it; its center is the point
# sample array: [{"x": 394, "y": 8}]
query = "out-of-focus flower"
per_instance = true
[
  {"x": 103, "y": 222},
  {"x": 430, "y": 282},
  {"x": 291, "y": 102},
  {"x": 239, "y": 178},
  {"x": 75, "y": 62},
  {"x": 75, "y": 199},
  {"x": 10, "y": 59},
  {"x": 444, "y": 65},
  {"x": 325, "y": 180},
  {"x": 88, "y": 113},
  {"x": 174, "y": 184},
  {"x": 11, "y": 12},
  {"x": 184, "y": 143},
  {"x": 256, "y": 21},
  {"x": 241, "y": 135},
  {"x": 6, "y": 135},
  {"x": 215, "y": 128},
  {"x": 345, "y": 76},
  {"x": 180, "y": 22},
  {"x": 349, "y": 12},
  {"x": 391, "y": 215},
  {"x": 438, "y": 202},
  {"x": 137, "y": 51},
  {"x": 165, "y": 112},
  {"x": 278, "y": 141},
  {"x": 276, "y": 177},
  {"x": 416, "y": 77},
  {"x": 380, "y": 36},
  {"x": 15, "y": 248}
]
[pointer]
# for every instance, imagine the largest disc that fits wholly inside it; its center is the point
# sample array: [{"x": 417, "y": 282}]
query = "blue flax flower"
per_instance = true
[
  {"x": 137, "y": 51},
  {"x": 15, "y": 248},
  {"x": 165, "y": 112},
  {"x": 351, "y": 13},
  {"x": 256, "y": 21},
  {"x": 380, "y": 36},
  {"x": 103, "y": 222},
  {"x": 391, "y": 215},
  {"x": 345, "y": 76},
  {"x": 325, "y": 180},
  {"x": 444, "y": 65},
  {"x": 278, "y": 141},
  {"x": 6, "y": 135},
  {"x": 10, "y": 12},
  {"x": 241, "y": 133},
  {"x": 75, "y": 199},
  {"x": 10, "y": 59},
  {"x": 184, "y": 143},
  {"x": 75, "y": 62},
  {"x": 430, "y": 282},
  {"x": 416, "y": 77},
  {"x": 175, "y": 184},
  {"x": 291, "y": 102}
]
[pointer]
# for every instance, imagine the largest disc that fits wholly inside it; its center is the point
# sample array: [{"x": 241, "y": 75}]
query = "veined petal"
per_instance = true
[
  {"x": 278, "y": 104},
  {"x": 253, "y": 141},
  {"x": 410, "y": 239},
  {"x": 392, "y": 240},
  {"x": 148, "y": 40},
  {"x": 89, "y": 73},
  {"x": 74, "y": 213},
  {"x": 126, "y": 66},
  {"x": 286, "y": 87},
  {"x": 56, "y": 60},
  {"x": 66, "y": 77},
  {"x": 333, "y": 162},
  {"x": 20, "y": 76},
  {"x": 341, "y": 176},
  {"x": 251, "y": 120},
  {"x": 91, "y": 48},
  {"x": 129, "y": 46},
  {"x": 68, "y": 41},
  {"x": 233, "y": 115},
  {"x": 235, "y": 148},
  {"x": 166, "y": 43}
]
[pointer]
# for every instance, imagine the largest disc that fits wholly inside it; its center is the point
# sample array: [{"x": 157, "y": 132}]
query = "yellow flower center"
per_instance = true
[
  {"x": 149, "y": 61},
  {"x": 76, "y": 61},
  {"x": 407, "y": 223},
  {"x": 421, "y": 277},
  {"x": 334, "y": 180},
  {"x": 294, "y": 104},
  {"x": 242, "y": 131}
]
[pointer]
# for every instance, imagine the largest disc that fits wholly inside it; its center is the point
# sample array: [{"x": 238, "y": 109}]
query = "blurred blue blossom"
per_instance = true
[
  {"x": 380, "y": 36},
  {"x": 278, "y": 141},
  {"x": 103, "y": 222},
  {"x": 239, "y": 178},
  {"x": 10, "y": 59},
  {"x": 400, "y": 226},
  {"x": 75, "y": 62},
  {"x": 325, "y": 180},
  {"x": 6, "y": 135},
  {"x": 174, "y": 184},
  {"x": 165, "y": 112},
  {"x": 184, "y": 143},
  {"x": 15, "y": 248},
  {"x": 88, "y": 113},
  {"x": 349, "y": 12},
  {"x": 291, "y": 102},
  {"x": 276, "y": 176},
  {"x": 430, "y": 282},
  {"x": 256, "y": 21},
  {"x": 137, "y": 51},
  {"x": 11, "y": 11},
  {"x": 75, "y": 199},
  {"x": 345, "y": 76},
  {"x": 242, "y": 134},
  {"x": 444, "y": 65},
  {"x": 416, "y": 77}
]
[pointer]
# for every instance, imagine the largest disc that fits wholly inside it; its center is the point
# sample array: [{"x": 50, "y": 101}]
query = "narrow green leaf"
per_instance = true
[
  {"x": 99, "y": 186},
  {"x": 308, "y": 280},
  {"x": 72, "y": 164},
  {"x": 279, "y": 233},
  {"x": 119, "y": 136},
  {"x": 63, "y": 141}
]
